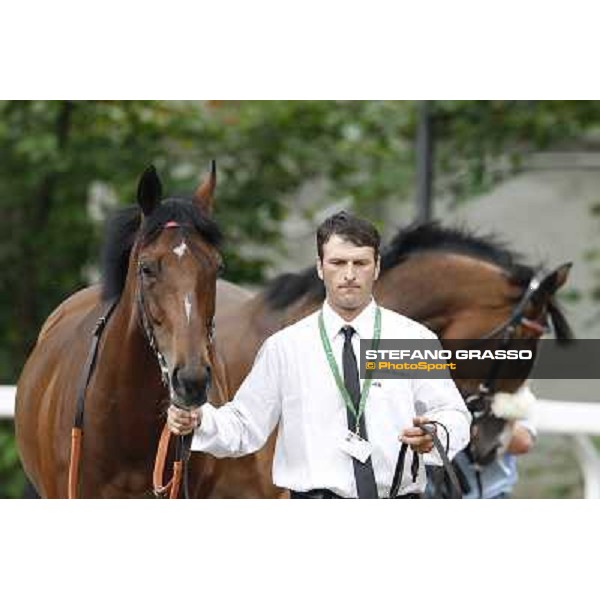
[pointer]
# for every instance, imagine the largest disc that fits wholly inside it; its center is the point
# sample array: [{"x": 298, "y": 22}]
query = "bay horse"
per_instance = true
[
  {"x": 460, "y": 285},
  {"x": 160, "y": 264}
]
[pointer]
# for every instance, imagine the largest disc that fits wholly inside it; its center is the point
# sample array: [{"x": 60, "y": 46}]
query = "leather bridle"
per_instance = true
[
  {"x": 480, "y": 403},
  {"x": 506, "y": 330},
  {"x": 182, "y": 443},
  {"x": 148, "y": 329},
  {"x": 517, "y": 317}
]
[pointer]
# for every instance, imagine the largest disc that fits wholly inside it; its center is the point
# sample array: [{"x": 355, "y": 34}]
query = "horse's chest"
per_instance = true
[{"x": 126, "y": 483}]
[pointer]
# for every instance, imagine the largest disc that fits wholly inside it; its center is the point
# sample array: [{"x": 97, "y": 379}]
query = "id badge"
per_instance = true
[{"x": 356, "y": 447}]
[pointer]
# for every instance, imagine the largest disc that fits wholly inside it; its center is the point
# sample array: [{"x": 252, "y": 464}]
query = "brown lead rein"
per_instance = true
[
  {"x": 174, "y": 484},
  {"x": 76, "y": 434},
  {"x": 86, "y": 375}
]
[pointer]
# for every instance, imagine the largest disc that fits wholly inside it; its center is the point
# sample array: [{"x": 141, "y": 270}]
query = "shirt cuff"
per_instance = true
[{"x": 207, "y": 429}]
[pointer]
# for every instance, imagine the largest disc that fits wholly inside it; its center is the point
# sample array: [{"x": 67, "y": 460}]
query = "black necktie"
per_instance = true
[{"x": 363, "y": 472}]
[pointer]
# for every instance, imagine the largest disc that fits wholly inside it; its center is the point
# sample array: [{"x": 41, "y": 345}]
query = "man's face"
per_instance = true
[{"x": 348, "y": 272}]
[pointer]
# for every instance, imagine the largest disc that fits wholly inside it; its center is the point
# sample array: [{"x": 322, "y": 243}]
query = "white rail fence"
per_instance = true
[{"x": 579, "y": 420}]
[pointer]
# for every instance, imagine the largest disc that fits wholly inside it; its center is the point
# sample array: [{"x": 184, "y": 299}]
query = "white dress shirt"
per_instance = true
[{"x": 291, "y": 384}]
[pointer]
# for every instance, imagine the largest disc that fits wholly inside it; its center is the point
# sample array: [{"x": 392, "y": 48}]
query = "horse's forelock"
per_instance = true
[
  {"x": 122, "y": 229},
  {"x": 184, "y": 212}
]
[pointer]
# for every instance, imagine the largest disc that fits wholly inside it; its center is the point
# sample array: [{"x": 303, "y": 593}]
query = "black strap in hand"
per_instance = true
[{"x": 455, "y": 489}]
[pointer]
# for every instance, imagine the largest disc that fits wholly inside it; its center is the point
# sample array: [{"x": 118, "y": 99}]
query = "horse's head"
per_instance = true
[
  {"x": 534, "y": 309},
  {"x": 471, "y": 287},
  {"x": 504, "y": 308},
  {"x": 176, "y": 264}
]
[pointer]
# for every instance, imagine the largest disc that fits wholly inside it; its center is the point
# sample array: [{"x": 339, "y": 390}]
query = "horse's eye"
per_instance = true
[
  {"x": 147, "y": 270},
  {"x": 220, "y": 270}
]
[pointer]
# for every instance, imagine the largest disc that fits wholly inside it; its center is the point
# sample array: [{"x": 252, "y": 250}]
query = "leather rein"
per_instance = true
[
  {"x": 183, "y": 443},
  {"x": 431, "y": 429}
]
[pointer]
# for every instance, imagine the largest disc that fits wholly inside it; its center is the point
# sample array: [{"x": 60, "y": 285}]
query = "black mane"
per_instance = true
[
  {"x": 431, "y": 237},
  {"x": 123, "y": 228}
]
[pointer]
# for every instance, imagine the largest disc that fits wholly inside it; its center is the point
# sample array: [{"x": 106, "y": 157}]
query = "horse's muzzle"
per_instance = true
[{"x": 191, "y": 387}]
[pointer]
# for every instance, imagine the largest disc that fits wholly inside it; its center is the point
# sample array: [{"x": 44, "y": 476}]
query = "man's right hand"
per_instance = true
[{"x": 182, "y": 422}]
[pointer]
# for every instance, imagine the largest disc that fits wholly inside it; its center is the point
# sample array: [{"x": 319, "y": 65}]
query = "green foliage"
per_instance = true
[
  {"x": 479, "y": 143},
  {"x": 11, "y": 478},
  {"x": 52, "y": 152}
]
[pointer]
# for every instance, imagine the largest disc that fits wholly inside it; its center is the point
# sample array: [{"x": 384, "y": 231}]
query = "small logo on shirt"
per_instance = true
[{"x": 376, "y": 384}]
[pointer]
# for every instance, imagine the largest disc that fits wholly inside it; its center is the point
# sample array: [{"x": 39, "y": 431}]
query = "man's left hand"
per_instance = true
[{"x": 416, "y": 438}]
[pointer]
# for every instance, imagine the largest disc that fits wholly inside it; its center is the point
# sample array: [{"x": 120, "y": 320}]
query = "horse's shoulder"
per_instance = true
[{"x": 78, "y": 304}]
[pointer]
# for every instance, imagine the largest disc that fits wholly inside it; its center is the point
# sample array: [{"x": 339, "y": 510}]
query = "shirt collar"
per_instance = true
[{"x": 362, "y": 323}]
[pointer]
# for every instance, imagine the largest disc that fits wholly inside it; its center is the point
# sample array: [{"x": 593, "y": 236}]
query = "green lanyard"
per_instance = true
[{"x": 336, "y": 372}]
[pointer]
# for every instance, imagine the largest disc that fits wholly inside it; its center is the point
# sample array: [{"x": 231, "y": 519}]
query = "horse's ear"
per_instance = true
[
  {"x": 557, "y": 278},
  {"x": 149, "y": 190},
  {"x": 204, "y": 195},
  {"x": 561, "y": 275}
]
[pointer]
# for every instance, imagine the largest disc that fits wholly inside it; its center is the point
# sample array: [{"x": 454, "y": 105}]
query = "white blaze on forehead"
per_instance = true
[
  {"x": 187, "y": 305},
  {"x": 180, "y": 250}
]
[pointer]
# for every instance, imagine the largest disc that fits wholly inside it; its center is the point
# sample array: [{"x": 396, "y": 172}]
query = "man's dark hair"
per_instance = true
[{"x": 353, "y": 229}]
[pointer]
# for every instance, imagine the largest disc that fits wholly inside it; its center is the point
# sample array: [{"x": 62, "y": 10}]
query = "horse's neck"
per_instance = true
[
  {"x": 435, "y": 289},
  {"x": 129, "y": 368}
]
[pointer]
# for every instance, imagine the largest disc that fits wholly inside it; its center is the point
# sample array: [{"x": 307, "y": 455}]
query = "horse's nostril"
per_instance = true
[
  {"x": 185, "y": 380},
  {"x": 191, "y": 385}
]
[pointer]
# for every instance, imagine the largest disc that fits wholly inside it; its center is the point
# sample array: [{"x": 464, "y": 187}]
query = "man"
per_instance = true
[{"x": 333, "y": 440}]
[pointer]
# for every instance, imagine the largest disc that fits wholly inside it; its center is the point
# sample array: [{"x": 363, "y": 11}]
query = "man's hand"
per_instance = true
[
  {"x": 521, "y": 441},
  {"x": 415, "y": 437},
  {"x": 182, "y": 422}
]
